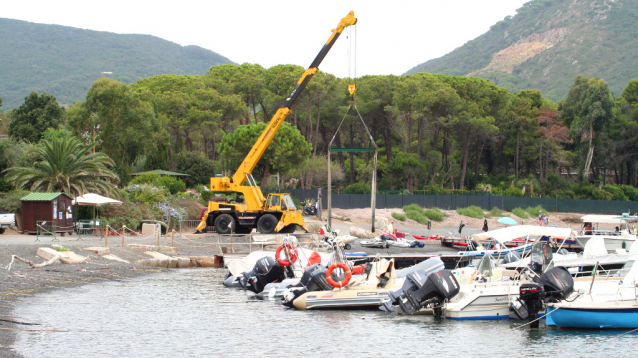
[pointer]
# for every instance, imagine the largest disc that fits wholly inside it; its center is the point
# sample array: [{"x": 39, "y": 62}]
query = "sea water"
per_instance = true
[{"x": 188, "y": 313}]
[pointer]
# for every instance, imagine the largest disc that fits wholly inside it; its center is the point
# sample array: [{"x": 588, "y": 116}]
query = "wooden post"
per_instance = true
[
  {"x": 173, "y": 239},
  {"x": 106, "y": 236},
  {"x": 329, "y": 192},
  {"x": 123, "y": 234},
  {"x": 373, "y": 201},
  {"x": 158, "y": 237}
]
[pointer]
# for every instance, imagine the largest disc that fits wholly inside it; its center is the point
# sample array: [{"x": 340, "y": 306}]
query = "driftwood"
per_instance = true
[{"x": 46, "y": 263}]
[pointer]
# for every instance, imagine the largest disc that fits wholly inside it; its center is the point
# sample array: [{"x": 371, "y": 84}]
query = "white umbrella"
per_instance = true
[{"x": 94, "y": 200}]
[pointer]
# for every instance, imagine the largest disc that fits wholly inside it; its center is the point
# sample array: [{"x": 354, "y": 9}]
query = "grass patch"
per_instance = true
[
  {"x": 472, "y": 211},
  {"x": 533, "y": 210},
  {"x": 413, "y": 207},
  {"x": 399, "y": 216},
  {"x": 496, "y": 212},
  {"x": 59, "y": 248},
  {"x": 520, "y": 213},
  {"x": 416, "y": 213},
  {"x": 435, "y": 214}
]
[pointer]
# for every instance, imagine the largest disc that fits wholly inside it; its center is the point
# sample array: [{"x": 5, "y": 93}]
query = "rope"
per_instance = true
[
  {"x": 528, "y": 323},
  {"x": 619, "y": 335}
]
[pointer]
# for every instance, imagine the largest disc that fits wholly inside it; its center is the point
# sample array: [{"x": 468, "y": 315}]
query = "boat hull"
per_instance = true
[
  {"x": 343, "y": 299},
  {"x": 612, "y": 315}
]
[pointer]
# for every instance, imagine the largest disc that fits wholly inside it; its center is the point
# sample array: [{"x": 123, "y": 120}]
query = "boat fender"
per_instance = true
[
  {"x": 293, "y": 255},
  {"x": 343, "y": 282}
]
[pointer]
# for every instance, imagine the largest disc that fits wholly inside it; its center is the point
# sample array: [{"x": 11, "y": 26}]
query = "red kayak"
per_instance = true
[{"x": 433, "y": 237}]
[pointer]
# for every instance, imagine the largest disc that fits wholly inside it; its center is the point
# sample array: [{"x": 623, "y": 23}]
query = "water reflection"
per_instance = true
[{"x": 188, "y": 313}]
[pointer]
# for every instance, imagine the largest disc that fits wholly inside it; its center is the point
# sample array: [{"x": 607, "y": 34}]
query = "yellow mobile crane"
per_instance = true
[{"x": 277, "y": 212}]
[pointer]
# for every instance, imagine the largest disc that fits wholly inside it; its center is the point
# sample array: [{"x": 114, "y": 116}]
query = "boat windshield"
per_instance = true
[{"x": 542, "y": 253}]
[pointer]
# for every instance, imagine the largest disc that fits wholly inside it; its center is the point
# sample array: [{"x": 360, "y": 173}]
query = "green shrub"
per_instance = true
[
  {"x": 472, "y": 211},
  {"x": 520, "y": 213},
  {"x": 357, "y": 188},
  {"x": 192, "y": 208},
  {"x": 416, "y": 213},
  {"x": 590, "y": 191},
  {"x": 173, "y": 184},
  {"x": 10, "y": 203},
  {"x": 128, "y": 214},
  {"x": 630, "y": 191},
  {"x": 147, "y": 193},
  {"x": 435, "y": 214},
  {"x": 414, "y": 207},
  {"x": 398, "y": 216},
  {"x": 148, "y": 178},
  {"x": 417, "y": 216},
  {"x": 616, "y": 192},
  {"x": 534, "y": 210},
  {"x": 513, "y": 191},
  {"x": 496, "y": 212}
]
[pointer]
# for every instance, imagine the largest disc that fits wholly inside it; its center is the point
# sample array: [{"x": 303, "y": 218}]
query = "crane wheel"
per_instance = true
[
  {"x": 222, "y": 224},
  {"x": 267, "y": 224}
]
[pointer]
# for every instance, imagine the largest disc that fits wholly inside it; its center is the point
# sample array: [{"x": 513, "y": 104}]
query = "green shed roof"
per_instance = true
[
  {"x": 41, "y": 196},
  {"x": 161, "y": 172}
]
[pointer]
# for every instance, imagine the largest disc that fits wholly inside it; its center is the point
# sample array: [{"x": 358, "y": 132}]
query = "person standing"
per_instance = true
[{"x": 540, "y": 218}]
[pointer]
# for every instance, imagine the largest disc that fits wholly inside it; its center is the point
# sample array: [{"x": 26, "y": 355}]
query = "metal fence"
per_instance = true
[{"x": 485, "y": 201}]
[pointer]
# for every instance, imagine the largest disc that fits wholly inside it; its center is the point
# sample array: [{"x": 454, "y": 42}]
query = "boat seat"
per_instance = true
[{"x": 510, "y": 273}]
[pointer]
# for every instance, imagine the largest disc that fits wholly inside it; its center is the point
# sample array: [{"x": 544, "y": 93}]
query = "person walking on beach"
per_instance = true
[{"x": 540, "y": 218}]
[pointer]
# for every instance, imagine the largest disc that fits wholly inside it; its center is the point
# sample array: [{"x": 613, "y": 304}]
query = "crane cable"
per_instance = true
[{"x": 352, "y": 86}]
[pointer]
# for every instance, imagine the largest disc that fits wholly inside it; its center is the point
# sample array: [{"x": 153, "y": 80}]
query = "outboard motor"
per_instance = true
[
  {"x": 472, "y": 245},
  {"x": 554, "y": 285},
  {"x": 423, "y": 290},
  {"x": 558, "y": 284},
  {"x": 313, "y": 279},
  {"x": 266, "y": 270}
]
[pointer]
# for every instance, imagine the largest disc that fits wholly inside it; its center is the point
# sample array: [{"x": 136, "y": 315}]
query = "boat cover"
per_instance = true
[
  {"x": 512, "y": 232},
  {"x": 601, "y": 219}
]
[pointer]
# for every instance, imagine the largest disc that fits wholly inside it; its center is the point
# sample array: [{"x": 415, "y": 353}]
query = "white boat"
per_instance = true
[
  {"x": 606, "y": 304},
  {"x": 617, "y": 231},
  {"x": 594, "y": 254},
  {"x": 368, "y": 292}
]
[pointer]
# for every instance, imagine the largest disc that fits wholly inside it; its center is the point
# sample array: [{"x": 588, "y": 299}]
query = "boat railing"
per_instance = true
[{"x": 596, "y": 232}]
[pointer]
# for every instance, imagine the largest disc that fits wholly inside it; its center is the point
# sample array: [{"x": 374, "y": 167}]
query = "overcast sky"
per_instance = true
[{"x": 392, "y": 36}]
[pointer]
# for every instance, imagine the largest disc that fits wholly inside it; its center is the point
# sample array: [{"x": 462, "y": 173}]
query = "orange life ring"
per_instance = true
[
  {"x": 293, "y": 255},
  {"x": 342, "y": 283}
]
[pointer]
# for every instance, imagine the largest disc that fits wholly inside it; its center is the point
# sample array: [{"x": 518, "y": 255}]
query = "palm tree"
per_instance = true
[{"x": 68, "y": 166}]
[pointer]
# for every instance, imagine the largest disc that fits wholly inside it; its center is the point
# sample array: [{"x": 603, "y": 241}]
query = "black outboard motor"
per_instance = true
[
  {"x": 554, "y": 285},
  {"x": 531, "y": 297},
  {"x": 472, "y": 245},
  {"x": 558, "y": 284},
  {"x": 266, "y": 270},
  {"x": 313, "y": 279},
  {"x": 431, "y": 289}
]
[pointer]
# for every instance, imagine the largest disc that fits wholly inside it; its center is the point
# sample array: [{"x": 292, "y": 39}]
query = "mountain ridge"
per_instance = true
[
  {"x": 590, "y": 37},
  {"x": 65, "y": 61}
]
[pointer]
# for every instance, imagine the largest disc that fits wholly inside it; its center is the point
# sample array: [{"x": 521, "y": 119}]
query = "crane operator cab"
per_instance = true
[{"x": 281, "y": 215}]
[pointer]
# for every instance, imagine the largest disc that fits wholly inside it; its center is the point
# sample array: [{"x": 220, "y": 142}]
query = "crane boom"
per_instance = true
[{"x": 260, "y": 146}]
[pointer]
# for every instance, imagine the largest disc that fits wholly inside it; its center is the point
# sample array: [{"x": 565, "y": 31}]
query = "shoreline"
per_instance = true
[{"x": 23, "y": 281}]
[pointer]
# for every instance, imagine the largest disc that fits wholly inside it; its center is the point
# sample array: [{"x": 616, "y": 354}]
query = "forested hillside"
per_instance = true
[
  {"x": 549, "y": 42},
  {"x": 434, "y": 132},
  {"x": 65, "y": 61}
]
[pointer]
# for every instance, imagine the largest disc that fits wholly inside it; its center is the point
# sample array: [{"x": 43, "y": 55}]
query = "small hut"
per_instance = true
[{"x": 53, "y": 208}]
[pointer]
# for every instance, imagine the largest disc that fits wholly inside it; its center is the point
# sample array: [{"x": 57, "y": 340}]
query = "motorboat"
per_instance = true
[
  {"x": 369, "y": 291},
  {"x": 594, "y": 254},
  {"x": 600, "y": 304},
  {"x": 618, "y": 232},
  {"x": 386, "y": 240}
]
